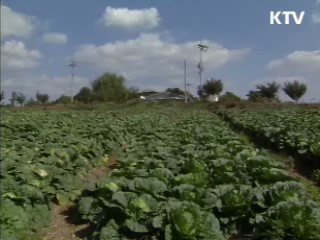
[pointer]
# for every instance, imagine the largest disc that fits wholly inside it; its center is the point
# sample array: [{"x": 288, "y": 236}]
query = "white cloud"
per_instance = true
[
  {"x": 55, "y": 38},
  {"x": 316, "y": 13},
  {"x": 16, "y": 24},
  {"x": 131, "y": 19},
  {"x": 150, "y": 61},
  {"x": 304, "y": 61},
  {"x": 18, "y": 57}
]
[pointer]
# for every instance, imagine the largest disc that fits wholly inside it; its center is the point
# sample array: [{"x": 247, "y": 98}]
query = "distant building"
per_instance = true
[
  {"x": 147, "y": 93},
  {"x": 213, "y": 98},
  {"x": 162, "y": 96}
]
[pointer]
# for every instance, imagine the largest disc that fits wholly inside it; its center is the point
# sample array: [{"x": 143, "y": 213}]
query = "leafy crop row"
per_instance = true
[
  {"x": 187, "y": 176},
  {"x": 44, "y": 158},
  {"x": 297, "y": 132}
]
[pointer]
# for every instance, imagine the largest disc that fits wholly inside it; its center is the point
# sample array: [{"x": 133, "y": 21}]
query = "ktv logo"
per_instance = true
[{"x": 286, "y": 17}]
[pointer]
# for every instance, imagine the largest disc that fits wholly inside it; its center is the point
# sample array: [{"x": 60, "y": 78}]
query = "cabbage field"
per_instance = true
[
  {"x": 180, "y": 175},
  {"x": 295, "y": 132}
]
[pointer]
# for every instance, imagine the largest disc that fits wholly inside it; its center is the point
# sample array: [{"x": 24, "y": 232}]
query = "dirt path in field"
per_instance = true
[{"x": 66, "y": 222}]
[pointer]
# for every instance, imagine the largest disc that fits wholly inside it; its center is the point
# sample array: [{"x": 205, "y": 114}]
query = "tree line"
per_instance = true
[
  {"x": 107, "y": 87},
  {"x": 111, "y": 87},
  {"x": 18, "y": 98},
  {"x": 263, "y": 92}
]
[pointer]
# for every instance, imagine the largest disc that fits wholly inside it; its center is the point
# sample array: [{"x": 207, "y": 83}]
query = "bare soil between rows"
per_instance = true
[{"x": 66, "y": 221}]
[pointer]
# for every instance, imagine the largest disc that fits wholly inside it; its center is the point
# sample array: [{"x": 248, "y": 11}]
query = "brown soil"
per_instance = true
[
  {"x": 61, "y": 228},
  {"x": 98, "y": 172},
  {"x": 66, "y": 222}
]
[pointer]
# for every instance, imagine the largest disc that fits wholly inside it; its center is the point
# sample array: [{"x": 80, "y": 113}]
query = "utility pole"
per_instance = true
[
  {"x": 185, "y": 82},
  {"x": 202, "y": 48},
  {"x": 72, "y": 65}
]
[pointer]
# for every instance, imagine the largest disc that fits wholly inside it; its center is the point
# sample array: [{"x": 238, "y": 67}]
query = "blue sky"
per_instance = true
[{"x": 147, "y": 41}]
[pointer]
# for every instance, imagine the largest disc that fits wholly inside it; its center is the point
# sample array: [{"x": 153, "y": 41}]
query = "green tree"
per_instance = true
[
  {"x": 265, "y": 92},
  {"x": 229, "y": 96},
  {"x": 84, "y": 95},
  {"x": 13, "y": 98},
  {"x": 255, "y": 96},
  {"x": 109, "y": 87},
  {"x": 43, "y": 98},
  {"x": 133, "y": 93},
  {"x": 175, "y": 91},
  {"x": 63, "y": 99},
  {"x": 295, "y": 90},
  {"x": 212, "y": 87},
  {"x": 1, "y": 96},
  {"x": 269, "y": 90},
  {"x": 31, "y": 102},
  {"x": 21, "y": 98}
]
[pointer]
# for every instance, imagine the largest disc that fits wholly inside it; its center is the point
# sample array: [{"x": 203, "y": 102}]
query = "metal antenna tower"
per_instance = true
[
  {"x": 72, "y": 65},
  {"x": 202, "y": 48}
]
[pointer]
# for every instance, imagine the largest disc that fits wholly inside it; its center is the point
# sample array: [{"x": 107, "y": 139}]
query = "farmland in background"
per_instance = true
[{"x": 181, "y": 173}]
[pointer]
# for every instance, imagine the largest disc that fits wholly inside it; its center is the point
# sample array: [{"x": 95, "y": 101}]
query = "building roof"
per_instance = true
[
  {"x": 147, "y": 93},
  {"x": 163, "y": 96}
]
